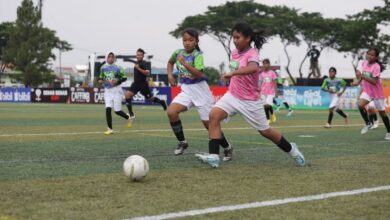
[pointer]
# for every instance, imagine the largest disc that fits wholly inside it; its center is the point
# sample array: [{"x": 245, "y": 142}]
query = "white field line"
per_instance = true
[
  {"x": 262, "y": 204},
  {"x": 162, "y": 130}
]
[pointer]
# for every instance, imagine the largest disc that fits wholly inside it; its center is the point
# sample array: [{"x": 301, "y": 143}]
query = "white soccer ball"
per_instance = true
[{"x": 135, "y": 167}]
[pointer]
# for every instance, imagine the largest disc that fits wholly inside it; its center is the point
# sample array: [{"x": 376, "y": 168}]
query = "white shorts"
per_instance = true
[
  {"x": 198, "y": 95},
  {"x": 113, "y": 98},
  {"x": 379, "y": 103},
  {"x": 252, "y": 111},
  {"x": 334, "y": 101},
  {"x": 268, "y": 99}
]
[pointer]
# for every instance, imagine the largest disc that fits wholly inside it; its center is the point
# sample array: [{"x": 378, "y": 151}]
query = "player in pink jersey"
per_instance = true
[
  {"x": 243, "y": 97},
  {"x": 372, "y": 90},
  {"x": 268, "y": 89}
]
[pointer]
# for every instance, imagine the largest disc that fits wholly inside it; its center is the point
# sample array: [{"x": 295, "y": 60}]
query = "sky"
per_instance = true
[{"x": 123, "y": 26}]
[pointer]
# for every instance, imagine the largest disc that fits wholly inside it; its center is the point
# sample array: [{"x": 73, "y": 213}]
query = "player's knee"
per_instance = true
[{"x": 172, "y": 113}]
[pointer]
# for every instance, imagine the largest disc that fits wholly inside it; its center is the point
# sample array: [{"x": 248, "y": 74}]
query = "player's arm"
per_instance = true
[
  {"x": 252, "y": 67},
  {"x": 343, "y": 84},
  {"x": 143, "y": 71},
  {"x": 171, "y": 78},
  {"x": 324, "y": 86},
  {"x": 101, "y": 77},
  {"x": 122, "y": 76},
  {"x": 196, "y": 70}
]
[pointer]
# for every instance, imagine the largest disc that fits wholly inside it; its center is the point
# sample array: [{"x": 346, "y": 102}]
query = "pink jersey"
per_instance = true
[
  {"x": 374, "y": 71},
  {"x": 244, "y": 87},
  {"x": 267, "y": 80}
]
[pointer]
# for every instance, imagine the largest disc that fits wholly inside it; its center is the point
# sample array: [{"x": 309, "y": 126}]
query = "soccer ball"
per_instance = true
[{"x": 135, "y": 167}]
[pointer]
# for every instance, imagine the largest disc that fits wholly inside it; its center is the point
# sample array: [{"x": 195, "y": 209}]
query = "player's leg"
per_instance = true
[
  {"x": 145, "y": 91},
  {"x": 129, "y": 94},
  {"x": 255, "y": 116},
  {"x": 363, "y": 101},
  {"x": 380, "y": 105},
  {"x": 180, "y": 104},
  {"x": 118, "y": 106},
  {"x": 372, "y": 116},
  {"x": 330, "y": 117},
  {"x": 109, "y": 104}
]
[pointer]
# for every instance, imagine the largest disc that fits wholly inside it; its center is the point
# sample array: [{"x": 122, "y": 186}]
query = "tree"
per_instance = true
[
  {"x": 362, "y": 31},
  {"x": 30, "y": 46},
  {"x": 5, "y": 29},
  {"x": 213, "y": 75},
  {"x": 218, "y": 21}
]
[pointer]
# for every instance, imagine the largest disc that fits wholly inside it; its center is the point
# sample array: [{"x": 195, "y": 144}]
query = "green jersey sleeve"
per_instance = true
[
  {"x": 324, "y": 85},
  {"x": 343, "y": 84},
  {"x": 198, "y": 62},
  {"x": 174, "y": 56}
]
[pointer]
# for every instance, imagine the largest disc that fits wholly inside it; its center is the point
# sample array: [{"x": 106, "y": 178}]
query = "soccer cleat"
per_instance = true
[
  {"x": 290, "y": 111},
  {"x": 269, "y": 121},
  {"x": 297, "y": 155},
  {"x": 181, "y": 147},
  {"x": 109, "y": 131},
  {"x": 365, "y": 128},
  {"x": 130, "y": 121},
  {"x": 375, "y": 125},
  {"x": 327, "y": 125},
  {"x": 164, "y": 104},
  {"x": 228, "y": 153},
  {"x": 211, "y": 159},
  {"x": 387, "y": 137},
  {"x": 273, "y": 118}
]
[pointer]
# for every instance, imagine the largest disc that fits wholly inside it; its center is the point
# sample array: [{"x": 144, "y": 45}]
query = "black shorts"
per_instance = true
[{"x": 143, "y": 88}]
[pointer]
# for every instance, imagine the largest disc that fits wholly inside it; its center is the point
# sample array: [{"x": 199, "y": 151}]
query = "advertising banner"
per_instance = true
[
  {"x": 163, "y": 93},
  {"x": 15, "y": 95},
  {"x": 57, "y": 95},
  {"x": 308, "y": 97}
]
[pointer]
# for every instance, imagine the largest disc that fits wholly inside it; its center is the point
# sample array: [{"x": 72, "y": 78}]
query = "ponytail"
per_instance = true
[{"x": 376, "y": 50}]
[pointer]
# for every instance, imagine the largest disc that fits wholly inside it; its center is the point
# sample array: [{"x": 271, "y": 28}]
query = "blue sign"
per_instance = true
[
  {"x": 309, "y": 97},
  {"x": 15, "y": 95},
  {"x": 163, "y": 93}
]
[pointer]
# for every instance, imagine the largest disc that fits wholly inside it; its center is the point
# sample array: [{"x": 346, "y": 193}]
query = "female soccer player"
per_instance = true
[
  {"x": 335, "y": 87},
  {"x": 194, "y": 89},
  {"x": 112, "y": 76},
  {"x": 372, "y": 90},
  {"x": 267, "y": 80},
  {"x": 243, "y": 97}
]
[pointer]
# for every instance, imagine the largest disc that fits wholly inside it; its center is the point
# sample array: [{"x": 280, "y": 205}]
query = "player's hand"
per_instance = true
[
  {"x": 226, "y": 77},
  {"x": 339, "y": 94},
  {"x": 100, "y": 81},
  {"x": 172, "y": 80},
  {"x": 113, "y": 82},
  {"x": 358, "y": 74},
  {"x": 181, "y": 59},
  {"x": 136, "y": 65}
]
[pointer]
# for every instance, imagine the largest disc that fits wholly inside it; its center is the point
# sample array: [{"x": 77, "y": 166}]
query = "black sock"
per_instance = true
[
  {"x": 271, "y": 110},
  {"x": 122, "y": 114},
  {"x": 375, "y": 117},
  {"x": 341, "y": 113},
  {"x": 284, "y": 145},
  {"x": 109, "y": 117},
  {"x": 266, "y": 109},
  {"x": 214, "y": 146},
  {"x": 224, "y": 143},
  {"x": 372, "y": 118},
  {"x": 156, "y": 100},
  {"x": 129, "y": 107},
  {"x": 330, "y": 117},
  {"x": 386, "y": 123},
  {"x": 287, "y": 106},
  {"x": 178, "y": 130},
  {"x": 363, "y": 113}
]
